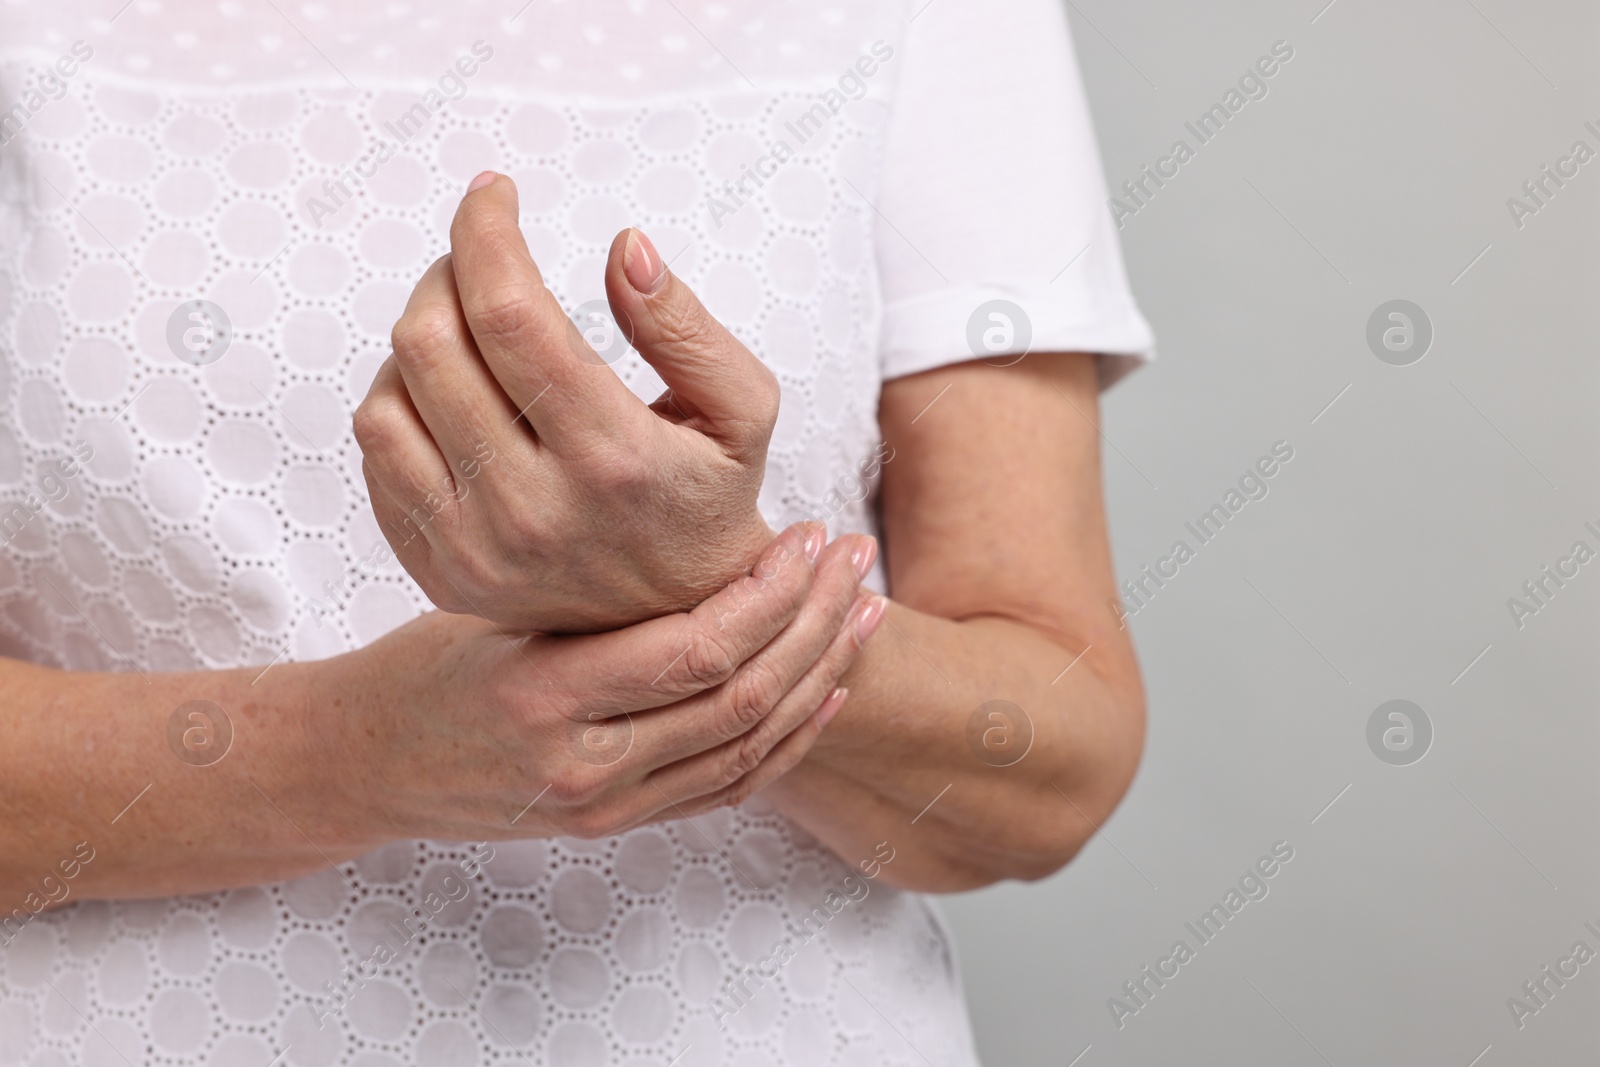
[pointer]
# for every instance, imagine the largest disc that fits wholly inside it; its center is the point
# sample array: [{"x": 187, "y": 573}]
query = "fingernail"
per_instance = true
[
  {"x": 815, "y": 540},
  {"x": 486, "y": 178},
  {"x": 642, "y": 264},
  {"x": 862, "y": 557},
  {"x": 831, "y": 706},
  {"x": 871, "y": 618}
]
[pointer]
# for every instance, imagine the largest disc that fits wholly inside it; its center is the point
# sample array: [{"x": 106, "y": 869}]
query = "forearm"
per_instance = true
[
  {"x": 88, "y": 760},
  {"x": 903, "y": 764}
]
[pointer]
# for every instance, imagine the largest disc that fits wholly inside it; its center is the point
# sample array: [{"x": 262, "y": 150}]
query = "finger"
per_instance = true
[
  {"x": 396, "y": 445},
  {"x": 745, "y": 716},
  {"x": 653, "y": 801},
  {"x": 461, "y": 403},
  {"x": 668, "y": 659},
  {"x": 784, "y": 757},
  {"x": 529, "y": 344},
  {"x": 724, "y": 391},
  {"x": 730, "y": 773},
  {"x": 818, "y": 699}
]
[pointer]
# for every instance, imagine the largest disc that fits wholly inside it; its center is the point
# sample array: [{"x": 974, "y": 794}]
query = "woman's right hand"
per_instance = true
[
  {"x": 515, "y": 474},
  {"x": 467, "y": 733}
]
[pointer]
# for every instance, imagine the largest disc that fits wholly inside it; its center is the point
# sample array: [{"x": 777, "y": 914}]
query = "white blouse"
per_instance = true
[{"x": 858, "y": 192}]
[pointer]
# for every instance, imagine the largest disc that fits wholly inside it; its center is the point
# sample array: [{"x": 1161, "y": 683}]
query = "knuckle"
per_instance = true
[
  {"x": 503, "y": 312},
  {"x": 753, "y": 693},
  {"x": 683, "y": 322},
  {"x": 376, "y": 421},
  {"x": 420, "y": 334},
  {"x": 743, "y": 756},
  {"x": 617, "y": 467},
  {"x": 575, "y": 787},
  {"x": 519, "y": 528},
  {"x": 738, "y": 792},
  {"x": 709, "y": 659}
]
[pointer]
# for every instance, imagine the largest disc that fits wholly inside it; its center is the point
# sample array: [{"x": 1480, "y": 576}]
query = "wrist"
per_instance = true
[{"x": 327, "y": 751}]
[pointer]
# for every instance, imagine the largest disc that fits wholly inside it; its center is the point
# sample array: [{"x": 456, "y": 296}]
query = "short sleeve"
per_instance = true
[{"x": 993, "y": 200}]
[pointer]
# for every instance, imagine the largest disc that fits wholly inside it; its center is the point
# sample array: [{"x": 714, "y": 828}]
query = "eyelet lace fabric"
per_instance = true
[{"x": 198, "y": 155}]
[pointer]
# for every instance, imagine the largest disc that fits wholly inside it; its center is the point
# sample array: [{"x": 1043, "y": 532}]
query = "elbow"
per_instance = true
[
  {"x": 1040, "y": 812},
  {"x": 1075, "y": 792}
]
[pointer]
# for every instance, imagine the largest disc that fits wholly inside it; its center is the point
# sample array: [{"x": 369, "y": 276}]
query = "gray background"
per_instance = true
[{"x": 1379, "y": 566}]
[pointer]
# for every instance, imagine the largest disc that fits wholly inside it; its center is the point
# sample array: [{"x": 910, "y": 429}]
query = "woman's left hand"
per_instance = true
[{"x": 514, "y": 473}]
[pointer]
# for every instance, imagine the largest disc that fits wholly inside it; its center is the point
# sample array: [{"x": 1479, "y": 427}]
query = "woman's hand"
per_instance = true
[
  {"x": 482, "y": 736},
  {"x": 516, "y": 476},
  {"x": 443, "y": 729}
]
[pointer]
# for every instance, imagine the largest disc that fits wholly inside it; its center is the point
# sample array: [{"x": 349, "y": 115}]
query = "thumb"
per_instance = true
[{"x": 722, "y": 389}]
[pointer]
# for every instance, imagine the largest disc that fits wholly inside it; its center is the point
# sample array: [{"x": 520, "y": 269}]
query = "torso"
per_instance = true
[{"x": 187, "y": 158}]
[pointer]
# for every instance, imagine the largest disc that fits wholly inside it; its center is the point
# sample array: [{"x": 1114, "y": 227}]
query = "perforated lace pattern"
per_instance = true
[{"x": 220, "y": 499}]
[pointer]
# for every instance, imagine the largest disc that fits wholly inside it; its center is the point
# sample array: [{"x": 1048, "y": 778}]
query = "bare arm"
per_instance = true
[
  {"x": 445, "y": 728},
  {"x": 86, "y": 760},
  {"x": 996, "y": 545}
]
